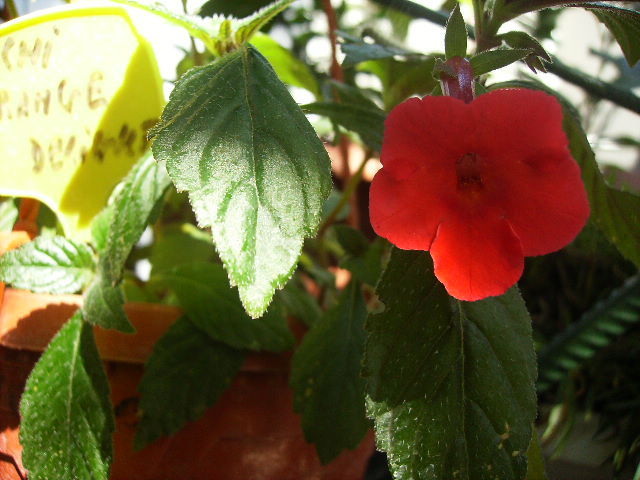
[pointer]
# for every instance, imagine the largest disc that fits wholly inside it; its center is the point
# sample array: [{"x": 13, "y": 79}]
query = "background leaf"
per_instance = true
[
  {"x": 624, "y": 25},
  {"x": 49, "y": 265},
  {"x": 325, "y": 377},
  {"x": 204, "y": 294},
  {"x": 365, "y": 121},
  {"x": 289, "y": 68},
  {"x": 601, "y": 324},
  {"x": 186, "y": 374},
  {"x": 67, "y": 420},
  {"x": 257, "y": 181},
  {"x": 452, "y": 384}
]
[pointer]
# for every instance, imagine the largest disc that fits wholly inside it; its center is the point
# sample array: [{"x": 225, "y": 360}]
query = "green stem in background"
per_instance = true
[
  {"x": 621, "y": 97},
  {"x": 353, "y": 183}
]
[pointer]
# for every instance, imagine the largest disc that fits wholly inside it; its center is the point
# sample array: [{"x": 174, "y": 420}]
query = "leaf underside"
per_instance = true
[
  {"x": 451, "y": 383},
  {"x": 325, "y": 378},
  {"x": 254, "y": 168},
  {"x": 186, "y": 374}
]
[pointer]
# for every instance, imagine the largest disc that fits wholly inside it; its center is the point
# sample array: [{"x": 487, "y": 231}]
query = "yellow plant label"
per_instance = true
[{"x": 79, "y": 88}]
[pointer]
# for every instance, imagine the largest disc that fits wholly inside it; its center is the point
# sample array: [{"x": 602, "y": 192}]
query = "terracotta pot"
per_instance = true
[{"x": 250, "y": 434}]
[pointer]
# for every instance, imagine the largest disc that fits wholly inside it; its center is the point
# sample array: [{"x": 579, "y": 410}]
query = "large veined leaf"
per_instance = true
[
  {"x": 325, "y": 377},
  {"x": 451, "y": 383},
  {"x": 203, "y": 292},
  {"x": 624, "y": 25},
  {"x": 186, "y": 374},
  {"x": 67, "y": 420},
  {"x": 254, "y": 168},
  {"x": 50, "y": 265}
]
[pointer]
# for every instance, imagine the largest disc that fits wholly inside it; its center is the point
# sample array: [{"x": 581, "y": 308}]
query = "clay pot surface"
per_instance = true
[{"x": 251, "y": 433}]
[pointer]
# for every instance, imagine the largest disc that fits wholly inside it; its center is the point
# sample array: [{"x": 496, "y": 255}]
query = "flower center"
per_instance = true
[{"x": 469, "y": 172}]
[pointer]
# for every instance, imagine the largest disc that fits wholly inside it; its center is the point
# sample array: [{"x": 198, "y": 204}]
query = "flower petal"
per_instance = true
[
  {"x": 422, "y": 142},
  {"x": 477, "y": 256},
  {"x": 536, "y": 182}
]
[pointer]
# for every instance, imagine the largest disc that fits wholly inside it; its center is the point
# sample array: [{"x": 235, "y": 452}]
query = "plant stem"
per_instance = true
[{"x": 598, "y": 88}]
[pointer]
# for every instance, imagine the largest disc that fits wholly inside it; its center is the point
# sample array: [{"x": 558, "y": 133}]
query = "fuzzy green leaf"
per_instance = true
[
  {"x": 257, "y": 181},
  {"x": 522, "y": 40},
  {"x": 134, "y": 206},
  {"x": 491, "y": 60},
  {"x": 451, "y": 383},
  {"x": 249, "y": 26},
  {"x": 67, "y": 420},
  {"x": 325, "y": 377},
  {"x": 49, "y": 265},
  {"x": 455, "y": 36},
  {"x": 186, "y": 374},
  {"x": 203, "y": 292},
  {"x": 624, "y": 25},
  {"x": 104, "y": 306}
]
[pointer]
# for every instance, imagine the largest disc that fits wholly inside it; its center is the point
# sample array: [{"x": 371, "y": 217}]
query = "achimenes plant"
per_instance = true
[{"x": 444, "y": 366}]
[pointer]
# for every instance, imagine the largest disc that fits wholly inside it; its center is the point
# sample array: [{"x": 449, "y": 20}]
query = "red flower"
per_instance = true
[{"x": 480, "y": 185}]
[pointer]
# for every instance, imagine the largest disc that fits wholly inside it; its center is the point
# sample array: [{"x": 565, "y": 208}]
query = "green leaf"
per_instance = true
[
  {"x": 521, "y": 40},
  {"x": 299, "y": 303},
  {"x": 607, "y": 320},
  {"x": 455, "y": 36},
  {"x": 49, "y": 265},
  {"x": 451, "y": 383},
  {"x": 67, "y": 421},
  {"x": 204, "y": 294},
  {"x": 325, "y": 377},
  {"x": 535, "y": 459},
  {"x": 249, "y": 26},
  {"x": 366, "y": 267},
  {"x": 290, "y": 69},
  {"x": 8, "y": 214},
  {"x": 104, "y": 306},
  {"x": 100, "y": 228},
  {"x": 624, "y": 25},
  {"x": 365, "y": 121},
  {"x": 186, "y": 374},
  {"x": 361, "y": 52},
  {"x": 400, "y": 80},
  {"x": 134, "y": 206},
  {"x": 231, "y": 7},
  {"x": 257, "y": 182},
  {"x": 490, "y": 60}
]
